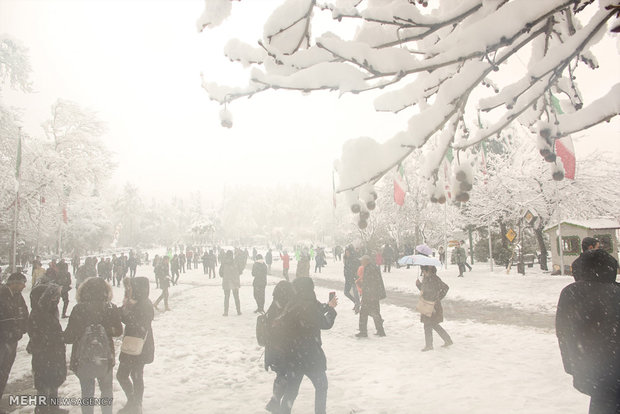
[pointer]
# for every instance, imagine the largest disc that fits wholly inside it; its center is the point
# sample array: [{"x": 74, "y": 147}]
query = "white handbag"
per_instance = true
[
  {"x": 425, "y": 307},
  {"x": 133, "y": 345}
]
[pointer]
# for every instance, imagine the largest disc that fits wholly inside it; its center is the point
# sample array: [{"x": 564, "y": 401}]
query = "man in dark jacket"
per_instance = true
[
  {"x": 268, "y": 260},
  {"x": 588, "y": 329},
  {"x": 388, "y": 258},
  {"x": 259, "y": 272},
  {"x": 351, "y": 264},
  {"x": 587, "y": 244},
  {"x": 13, "y": 323},
  {"x": 373, "y": 291},
  {"x": 304, "y": 320}
]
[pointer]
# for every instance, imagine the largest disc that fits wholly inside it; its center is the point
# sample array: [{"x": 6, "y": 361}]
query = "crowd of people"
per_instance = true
[
  {"x": 292, "y": 323},
  {"x": 93, "y": 323}
]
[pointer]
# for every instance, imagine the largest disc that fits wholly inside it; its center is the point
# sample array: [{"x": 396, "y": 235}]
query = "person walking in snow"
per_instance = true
[
  {"x": 373, "y": 291},
  {"x": 174, "y": 269},
  {"x": 303, "y": 266},
  {"x": 162, "y": 273},
  {"x": 433, "y": 289},
  {"x": 320, "y": 260},
  {"x": 229, "y": 272},
  {"x": 460, "y": 256},
  {"x": 268, "y": 260},
  {"x": 351, "y": 265},
  {"x": 13, "y": 323},
  {"x": 205, "y": 262},
  {"x": 278, "y": 343},
  {"x": 182, "y": 261},
  {"x": 587, "y": 325},
  {"x": 212, "y": 263},
  {"x": 132, "y": 262},
  {"x": 137, "y": 315},
  {"x": 304, "y": 320},
  {"x": 63, "y": 278},
  {"x": 286, "y": 263},
  {"x": 388, "y": 258},
  {"x": 259, "y": 272},
  {"x": 189, "y": 255},
  {"x": 49, "y": 362},
  {"x": 94, "y": 308}
]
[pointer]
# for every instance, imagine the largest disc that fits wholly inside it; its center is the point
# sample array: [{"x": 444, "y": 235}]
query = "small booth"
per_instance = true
[{"x": 573, "y": 232}]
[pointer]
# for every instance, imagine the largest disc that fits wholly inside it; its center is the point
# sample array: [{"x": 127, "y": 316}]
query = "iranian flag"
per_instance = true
[
  {"x": 400, "y": 186},
  {"x": 564, "y": 146},
  {"x": 565, "y": 150}
]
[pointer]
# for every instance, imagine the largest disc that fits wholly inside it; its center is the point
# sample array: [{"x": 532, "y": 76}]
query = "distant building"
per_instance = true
[{"x": 604, "y": 229}]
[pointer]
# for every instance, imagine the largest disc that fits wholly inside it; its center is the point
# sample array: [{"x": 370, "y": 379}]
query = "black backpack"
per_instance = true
[{"x": 94, "y": 353}]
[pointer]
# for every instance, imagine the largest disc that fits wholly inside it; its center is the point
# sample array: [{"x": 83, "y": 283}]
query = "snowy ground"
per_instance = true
[{"x": 208, "y": 363}]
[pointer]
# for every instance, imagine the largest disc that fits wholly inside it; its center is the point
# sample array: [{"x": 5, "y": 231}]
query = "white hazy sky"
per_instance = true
[{"x": 138, "y": 63}]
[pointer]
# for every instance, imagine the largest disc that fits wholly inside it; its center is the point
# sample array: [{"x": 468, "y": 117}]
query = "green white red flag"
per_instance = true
[
  {"x": 564, "y": 147},
  {"x": 400, "y": 185}
]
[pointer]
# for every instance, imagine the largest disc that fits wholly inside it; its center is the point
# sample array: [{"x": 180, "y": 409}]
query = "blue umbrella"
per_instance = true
[{"x": 419, "y": 260}]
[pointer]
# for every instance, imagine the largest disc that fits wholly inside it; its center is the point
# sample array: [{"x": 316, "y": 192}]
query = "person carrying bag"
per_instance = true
[
  {"x": 138, "y": 347},
  {"x": 432, "y": 291}
]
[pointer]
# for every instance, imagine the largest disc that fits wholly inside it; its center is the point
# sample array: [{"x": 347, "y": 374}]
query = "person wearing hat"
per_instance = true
[
  {"x": 259, "y": 273},
  {"x": 587, "y": 325},
  {"x": 13, "y": 323},
  {"x": 587, "y": 244},
  {"x": 373, "y": 290}
]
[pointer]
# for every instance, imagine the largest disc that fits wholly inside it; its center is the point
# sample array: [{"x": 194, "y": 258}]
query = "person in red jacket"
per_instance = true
[{"x": 285, "y": 264}]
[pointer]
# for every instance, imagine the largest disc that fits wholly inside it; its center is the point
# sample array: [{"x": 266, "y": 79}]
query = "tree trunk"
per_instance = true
[{"x": 542, "y": 258}]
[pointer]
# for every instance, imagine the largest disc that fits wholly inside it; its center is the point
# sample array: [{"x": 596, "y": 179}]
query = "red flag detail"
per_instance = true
[
  {"x": 399, "y": 186},
  {"x": 64, "y": 215},
  {"x": 565, "y": 150}
]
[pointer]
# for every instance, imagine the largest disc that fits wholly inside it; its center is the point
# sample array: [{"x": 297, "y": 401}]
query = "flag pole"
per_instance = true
[
  {"x": 18, "y": 161},
  {"x": 490, "y": 245}
]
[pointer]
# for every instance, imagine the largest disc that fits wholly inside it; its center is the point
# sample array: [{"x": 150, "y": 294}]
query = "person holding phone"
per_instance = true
[{"x": 305, "y": 319}]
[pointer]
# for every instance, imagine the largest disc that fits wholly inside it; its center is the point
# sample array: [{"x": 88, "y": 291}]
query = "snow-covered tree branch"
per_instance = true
[{"x": 444, "y": 63}]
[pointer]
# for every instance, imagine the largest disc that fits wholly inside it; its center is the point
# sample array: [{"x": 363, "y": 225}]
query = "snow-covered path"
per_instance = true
[{"x": 208, "y": 363}]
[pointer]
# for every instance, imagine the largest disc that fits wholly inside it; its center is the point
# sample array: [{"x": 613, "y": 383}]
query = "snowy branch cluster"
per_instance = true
[{"x": 443, "y": 61}]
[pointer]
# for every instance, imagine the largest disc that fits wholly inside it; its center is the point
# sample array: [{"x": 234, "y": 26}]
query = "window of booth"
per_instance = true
[{"x": 571, "y": 245}]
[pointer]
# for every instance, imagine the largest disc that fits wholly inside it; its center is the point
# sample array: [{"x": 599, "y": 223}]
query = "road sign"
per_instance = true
[
  {"x": 510, "y": 235},
  {"x": 453, "y": 243}
]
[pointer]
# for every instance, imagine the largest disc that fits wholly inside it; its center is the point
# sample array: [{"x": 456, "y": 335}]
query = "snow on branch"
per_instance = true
[
  {"x": 433, "y": 60},
  {"x": 602, "y": 109}
]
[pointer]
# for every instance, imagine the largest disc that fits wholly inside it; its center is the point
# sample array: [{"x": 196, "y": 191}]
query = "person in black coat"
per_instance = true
[
  {"x": 433, "y": 289},
  {"x": 305, "y": 319},
  {"x": 93, "y": 307},
  {"x": 373, "y": 291},
  {"x": 278, "y": 343},
  {"x": 137, "y": 314},
  {"x": 63, "y": 278},
  {"x": 49, "y": 362},
  {"x": 388, "y": 258},
  {"x": 588, "y": 329},
  {"x": 13, "y": 323},
  {"x": 587, "y": 244},
  {"x": 351, "y": 264},
  {"x": 259, "y": 272},
  {"x": 162, "y": 273}
]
